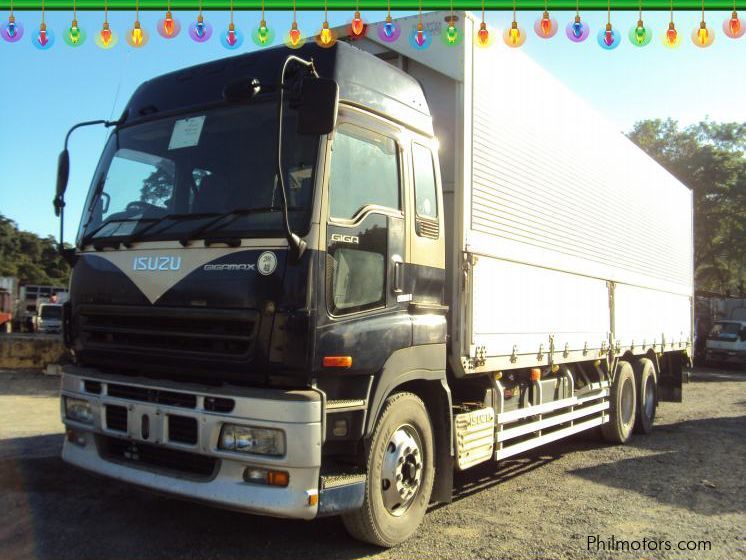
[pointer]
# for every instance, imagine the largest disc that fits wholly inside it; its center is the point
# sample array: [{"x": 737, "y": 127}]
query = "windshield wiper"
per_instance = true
[
  {"x": 136, "y": 236},
  {"x": 230, "y": 217}
]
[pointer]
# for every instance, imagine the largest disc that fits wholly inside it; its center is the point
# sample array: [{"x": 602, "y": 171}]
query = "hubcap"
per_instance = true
[
  {"x": 649, "y": 397},
  {"x": 628, "y": 402},
  {"x": 401, "y": 472}
]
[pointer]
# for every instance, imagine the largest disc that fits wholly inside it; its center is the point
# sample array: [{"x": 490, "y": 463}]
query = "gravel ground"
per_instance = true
[{"x": 685, "y": 482}]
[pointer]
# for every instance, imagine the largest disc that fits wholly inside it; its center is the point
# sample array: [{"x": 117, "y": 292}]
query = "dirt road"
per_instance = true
[{"x": 685, "y": 485}]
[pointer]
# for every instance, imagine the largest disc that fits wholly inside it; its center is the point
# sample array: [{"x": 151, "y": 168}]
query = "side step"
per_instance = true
[{"x": 341, "y": 492}]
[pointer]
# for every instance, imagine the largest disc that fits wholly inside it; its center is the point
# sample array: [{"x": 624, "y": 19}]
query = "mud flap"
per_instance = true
[{"x": 669, "y": 382}]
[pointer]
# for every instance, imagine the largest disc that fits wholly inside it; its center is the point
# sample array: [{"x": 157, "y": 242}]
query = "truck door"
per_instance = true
[{"x": 366, "y": 243}]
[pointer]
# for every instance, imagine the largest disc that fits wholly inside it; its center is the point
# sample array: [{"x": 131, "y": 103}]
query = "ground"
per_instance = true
[{"x": 685, "y": 482}]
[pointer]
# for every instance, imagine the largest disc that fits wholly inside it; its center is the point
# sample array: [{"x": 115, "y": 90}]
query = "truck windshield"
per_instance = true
[
  {"x": 51, "y": 312},
  {"x": 725, "y": 331},
  {"x": 166, "y": 178}
]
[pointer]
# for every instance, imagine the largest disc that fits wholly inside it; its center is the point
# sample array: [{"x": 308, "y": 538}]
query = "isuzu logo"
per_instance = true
[{"x": 154, "y": 264}]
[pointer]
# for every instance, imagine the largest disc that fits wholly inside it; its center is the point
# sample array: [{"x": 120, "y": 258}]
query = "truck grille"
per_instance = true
[
  {"x": 158, "y": 396},
  {"x": 175, "y": 331},
  {"x": 144, "y": 455}
]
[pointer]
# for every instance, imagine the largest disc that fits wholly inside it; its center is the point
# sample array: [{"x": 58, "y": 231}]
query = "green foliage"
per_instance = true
[
  {"x": 710, "y": 159},
  {"x": 30, "y": 258}
]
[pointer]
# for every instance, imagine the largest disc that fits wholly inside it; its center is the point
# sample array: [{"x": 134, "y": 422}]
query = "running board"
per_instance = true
[{"x": 548, "y": 438}]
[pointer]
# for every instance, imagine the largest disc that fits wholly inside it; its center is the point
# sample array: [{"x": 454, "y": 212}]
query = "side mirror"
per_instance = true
[
  {"x": 317, "y": 113},
  {"x": 63, "y": 173}
]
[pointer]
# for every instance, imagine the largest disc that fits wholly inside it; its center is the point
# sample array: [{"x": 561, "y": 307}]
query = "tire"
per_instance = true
[
  {"x": 646, "y": 381},
  {"x": 403, "y": 426},
  {"x": 622, "y": 406}
]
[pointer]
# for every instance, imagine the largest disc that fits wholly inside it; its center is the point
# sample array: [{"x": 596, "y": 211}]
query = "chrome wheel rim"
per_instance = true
[
  {"x": 628, "y": 403},
  {"x": 402, "y": 470},
  {"x": 649, "y": 397}
]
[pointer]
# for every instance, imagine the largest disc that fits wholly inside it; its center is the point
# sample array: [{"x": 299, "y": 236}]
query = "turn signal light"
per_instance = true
[
  {"x": 535, "y": 374},
  {"x": 338, "y": 361}
]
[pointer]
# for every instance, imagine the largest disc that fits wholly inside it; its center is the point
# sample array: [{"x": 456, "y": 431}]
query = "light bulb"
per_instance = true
[
  {"x": 577, "y": 31},
  {"x": 262, "y": 35},
  {"x": 106, "y": 38},
  {"x": 514, "y": 36},
  {"x": 43, "y": 39},
  {"x": 608, "y": 38},
  {"x": 545, "y": 27},
  {"x": 325, "y": 38},
  {"x": 200, "y": 31},
  {"x": 639, "y": 35},
  {"x": 389, "y": 31},
  {"x": 451, "y": 34},
  {"x": 137, "y": 35},
  {"x": 169, "y": 27},
  {"x": 357, "y": 26},
  {"x": 232, "y": 38},
  {"x": 733, "y": 27},
  {"x": 703, "y": 36},
  {"x": 74, "y": 36},
  {"x": 12, "y": 31},
  {"x": 483, "y": 36},
  {"x": 420, "y": 35},
  {"x": 294, "y": 36},
  {"x": 419, "y": 38},
  {"x": 263, "y": 32},
  {"x": 671, "y": 38}
]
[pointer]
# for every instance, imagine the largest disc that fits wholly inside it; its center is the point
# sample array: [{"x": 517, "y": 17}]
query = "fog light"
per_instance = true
[
  {"x": 250, "y": 439},
  {"x": 75, "y": 437},
  {"x": 78, "y": 410},
  {"x": 255, "y": 475}
]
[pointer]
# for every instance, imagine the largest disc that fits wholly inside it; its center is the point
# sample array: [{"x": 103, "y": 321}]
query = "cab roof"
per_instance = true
[{"x": 364, "y": 80}]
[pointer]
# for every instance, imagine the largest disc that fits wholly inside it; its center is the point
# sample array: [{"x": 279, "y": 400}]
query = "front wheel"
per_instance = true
[{"x": 400, "y": 474}]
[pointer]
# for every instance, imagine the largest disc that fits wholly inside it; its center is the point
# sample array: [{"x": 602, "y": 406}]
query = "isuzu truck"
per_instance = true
[{"x": 319, "y": 281}]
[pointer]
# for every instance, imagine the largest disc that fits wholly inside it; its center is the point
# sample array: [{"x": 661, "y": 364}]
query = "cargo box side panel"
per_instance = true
[
  {"x": 522, "y": 312},
  {"x": 555, "y": 185},
  {"x": 646, "y": 318}
]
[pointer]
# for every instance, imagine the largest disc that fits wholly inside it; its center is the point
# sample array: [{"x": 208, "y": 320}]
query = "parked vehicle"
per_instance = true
[
  {"x": 48, "y": 319},
  {"x": 8, "y": 295},
  {"x": 452, "y": 260},
  {"x": 30, "y": 296},
  {"x": 726, "y": 343}
]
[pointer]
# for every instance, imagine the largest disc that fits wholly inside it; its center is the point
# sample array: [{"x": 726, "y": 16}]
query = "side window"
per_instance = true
[
  {"x": 426, "y": 198},
  {"x": 364, "y": 170},
  {"x": 358, "y": 280}
]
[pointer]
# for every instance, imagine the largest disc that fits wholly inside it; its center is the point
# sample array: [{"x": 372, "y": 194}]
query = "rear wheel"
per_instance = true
[
  {"x": 622, "y": 406},
  {"x": 647, "y": 395},
  {"x": 400, "y": 474}
]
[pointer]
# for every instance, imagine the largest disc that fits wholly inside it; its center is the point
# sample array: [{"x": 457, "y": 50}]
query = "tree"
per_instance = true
[
  {"x": 709, "y": 158},
  {"x": 30, "y": 258}
]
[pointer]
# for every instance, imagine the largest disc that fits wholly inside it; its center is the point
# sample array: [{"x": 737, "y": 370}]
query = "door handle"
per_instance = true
[{"x": 398, "y": 276}]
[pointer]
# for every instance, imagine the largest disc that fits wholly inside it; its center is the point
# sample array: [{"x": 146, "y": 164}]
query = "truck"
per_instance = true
[
  {"x": 30, "y": 297},
  {"x": 48, "y": 318},
  {"x": 320, "y": 281},
  {"x": 8, "y": 294}
]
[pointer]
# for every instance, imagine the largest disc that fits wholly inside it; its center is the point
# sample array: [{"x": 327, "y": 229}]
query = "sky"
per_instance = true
[{"x": 43, "y": 93}]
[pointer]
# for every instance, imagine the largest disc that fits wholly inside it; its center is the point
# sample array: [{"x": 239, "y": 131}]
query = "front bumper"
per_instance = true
[
  {"x": 297, "y": 413},
  {"x": 725, "y": 356}
]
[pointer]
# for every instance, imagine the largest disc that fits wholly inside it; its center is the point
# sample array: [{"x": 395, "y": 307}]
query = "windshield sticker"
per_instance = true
[{"x": 186, "y": 133}]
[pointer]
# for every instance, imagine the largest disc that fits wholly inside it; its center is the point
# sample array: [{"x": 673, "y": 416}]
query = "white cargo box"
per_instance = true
[{"x": 572, "y": 238}]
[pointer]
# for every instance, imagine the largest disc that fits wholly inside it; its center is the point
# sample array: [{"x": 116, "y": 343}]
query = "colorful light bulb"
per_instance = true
[
  {"x": 703, "y": 36},
  {"x": 514, "y": 36},
  {"x": 325, "y": 38},
  {"x": 639, "y": 35},
  {"x": 577, "y": 31},
  {"x": 263, "y": 32},
  {"x": 451, "y": 34},
  {"x": 608, "y": 38},
  {"x": 232, "y": 38},
  {"x": 200, "y": 31},
  {"x": 483, "y": 36},
  {"x": 419, "y": 38},
  {"x": 545, "y": 27},
  {"x": 420, "y": 35},
  {"x": 12, "y": 31},
  {"x": 137, "y": 35},
  {"x": 671, "y": 38},
  {"x": 106, "y": 38},
  {"x": 43, "y": 39},
  {"x": 389, "y": 31},
  {"x": 294, "y": 38},
  {"x": 733, "y": 27},
  {"x": 169, "y": 27},
  {"x": 357, "y": 26},
  {"x": 74, "y": 35}
]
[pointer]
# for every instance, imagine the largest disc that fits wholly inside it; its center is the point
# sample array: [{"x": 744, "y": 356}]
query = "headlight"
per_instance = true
[
  {"x": 78, "y": 410},
  {"x": 249, "y": 439}
]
